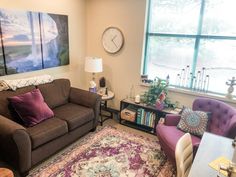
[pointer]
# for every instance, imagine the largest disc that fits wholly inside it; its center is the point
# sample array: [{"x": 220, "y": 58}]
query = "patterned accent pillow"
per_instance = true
[{"x": 194, "y": 122}]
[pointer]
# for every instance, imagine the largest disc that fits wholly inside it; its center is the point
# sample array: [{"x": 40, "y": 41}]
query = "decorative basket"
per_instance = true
[{"x": 129, "y": 115}]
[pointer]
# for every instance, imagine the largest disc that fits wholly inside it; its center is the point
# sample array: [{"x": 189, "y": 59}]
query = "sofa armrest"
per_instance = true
[
  {"x": 86, "y": 98},
  {"x": 15, "y": 144},
  {"x": 172, "y": 119}
]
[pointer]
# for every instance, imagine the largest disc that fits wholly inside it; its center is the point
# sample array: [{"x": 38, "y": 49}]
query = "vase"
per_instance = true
[{"x": 159, "y": 105}]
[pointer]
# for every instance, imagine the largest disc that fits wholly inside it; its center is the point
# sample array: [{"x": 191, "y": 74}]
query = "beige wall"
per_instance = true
[
  {"x": 75, "y": 9},
  {"x": 123, "y": 69}
]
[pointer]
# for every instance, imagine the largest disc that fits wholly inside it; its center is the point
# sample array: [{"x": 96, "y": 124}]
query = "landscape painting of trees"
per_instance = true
[{"x": 32, "y": 41}]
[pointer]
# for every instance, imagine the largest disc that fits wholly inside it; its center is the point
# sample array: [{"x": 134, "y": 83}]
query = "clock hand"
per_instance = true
[
  {"x": 115, "y": 44},
  {"x": 114, "y": 37}
]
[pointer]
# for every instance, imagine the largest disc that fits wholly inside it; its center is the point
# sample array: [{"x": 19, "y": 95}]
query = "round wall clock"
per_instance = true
[{"x": 112, "y": 40}]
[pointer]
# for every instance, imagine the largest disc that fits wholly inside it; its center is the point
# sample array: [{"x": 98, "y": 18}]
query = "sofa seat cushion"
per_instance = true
[
  {"x": 46, "y": 131},
  {"x": 169, "y": 136},
  {"x": 75, "y": 115}
]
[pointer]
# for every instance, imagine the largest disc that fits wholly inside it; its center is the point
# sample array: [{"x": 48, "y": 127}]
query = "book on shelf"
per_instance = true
[
  {"x": 139, "y": 114},
  {"x": 146, "y": 118},
  {"x": 142, "y": 117}
]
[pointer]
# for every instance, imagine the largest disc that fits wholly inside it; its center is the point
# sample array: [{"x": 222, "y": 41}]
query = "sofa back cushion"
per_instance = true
[
  {"x": 221, "y": 115},
  {"x": 56, "y": 93},
  {"x": 31, "y": 107},
  {"x": 4, "y": 103}
]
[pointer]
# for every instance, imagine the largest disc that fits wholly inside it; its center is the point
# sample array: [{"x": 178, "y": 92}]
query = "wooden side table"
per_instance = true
[{"x": 4, "y": 172}]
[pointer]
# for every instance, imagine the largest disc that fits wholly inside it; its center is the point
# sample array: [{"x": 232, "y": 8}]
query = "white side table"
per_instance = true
[{"x": 103, "y": 106}]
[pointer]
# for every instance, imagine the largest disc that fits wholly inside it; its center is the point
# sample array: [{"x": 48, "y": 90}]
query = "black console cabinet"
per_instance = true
[{"x": 146, "y": 111}]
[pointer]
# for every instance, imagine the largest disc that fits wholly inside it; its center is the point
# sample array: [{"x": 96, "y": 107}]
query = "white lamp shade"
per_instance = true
[{"x": 93, "y": 65}]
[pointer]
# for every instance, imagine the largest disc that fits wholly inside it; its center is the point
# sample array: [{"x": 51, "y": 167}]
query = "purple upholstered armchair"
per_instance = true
[{"x": 222, "y": 122}]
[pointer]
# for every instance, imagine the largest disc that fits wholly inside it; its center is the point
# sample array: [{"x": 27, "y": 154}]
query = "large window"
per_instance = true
[{"x": 192, "y": 41}]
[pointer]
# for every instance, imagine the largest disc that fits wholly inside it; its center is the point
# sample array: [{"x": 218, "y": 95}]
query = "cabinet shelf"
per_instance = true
[{"x": 149, "y": 110}]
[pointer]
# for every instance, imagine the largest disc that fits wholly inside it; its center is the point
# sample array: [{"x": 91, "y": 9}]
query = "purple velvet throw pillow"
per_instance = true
[{"x": 31, "y": 107}]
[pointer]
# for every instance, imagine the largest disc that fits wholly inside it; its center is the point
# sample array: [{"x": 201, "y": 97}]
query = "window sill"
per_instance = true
[{"x": 196, "y": 93}]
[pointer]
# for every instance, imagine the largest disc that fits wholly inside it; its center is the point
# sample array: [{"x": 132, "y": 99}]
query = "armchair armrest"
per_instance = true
[
  {"x": 15, "y": 144},
  {"x": 172, "y": 119},
  {"x": 195, "y": 148},
  {"x": 231, "y": 133},
  {"x": 86, "y": 98}
]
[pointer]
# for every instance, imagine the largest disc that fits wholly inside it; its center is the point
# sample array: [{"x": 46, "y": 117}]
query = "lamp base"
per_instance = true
[
  {"x": 94, "y": 89},
  {"x": 92, "y": 86}
]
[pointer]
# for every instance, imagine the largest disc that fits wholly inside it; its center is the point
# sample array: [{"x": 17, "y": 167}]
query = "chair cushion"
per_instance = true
[
  {"x": 46, "y": 131},
  {"x": 75, "y": 115},
  {"x": 194, "y": 122},
  {"x": 169, "y": 136},
  {"x": 31, "y": 107}
]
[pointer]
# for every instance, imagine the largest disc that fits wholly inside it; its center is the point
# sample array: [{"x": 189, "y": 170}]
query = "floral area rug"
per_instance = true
[{"x": 108, "y": 152}]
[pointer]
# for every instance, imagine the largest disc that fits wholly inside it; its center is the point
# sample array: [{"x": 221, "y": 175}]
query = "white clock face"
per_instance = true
[{"x": 112, "y": 40}]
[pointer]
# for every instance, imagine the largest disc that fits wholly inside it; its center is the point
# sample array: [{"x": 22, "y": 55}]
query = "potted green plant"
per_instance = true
[{"x": 156, "y": 94}]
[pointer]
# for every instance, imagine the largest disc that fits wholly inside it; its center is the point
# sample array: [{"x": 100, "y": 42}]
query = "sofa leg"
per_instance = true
[
  {"x": 93, "y": 130},
  {"x": 24, "y": 174}
]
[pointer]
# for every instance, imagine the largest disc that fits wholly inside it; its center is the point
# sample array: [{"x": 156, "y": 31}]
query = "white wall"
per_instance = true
[{"x": 75, "y": 9}]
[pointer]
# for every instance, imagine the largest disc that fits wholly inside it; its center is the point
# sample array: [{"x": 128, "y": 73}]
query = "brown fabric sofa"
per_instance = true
[{"x": 76, "y": 113}]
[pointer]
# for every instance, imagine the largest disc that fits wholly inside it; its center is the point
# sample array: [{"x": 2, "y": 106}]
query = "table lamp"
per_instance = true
[{"x": 93, "y": 65}]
